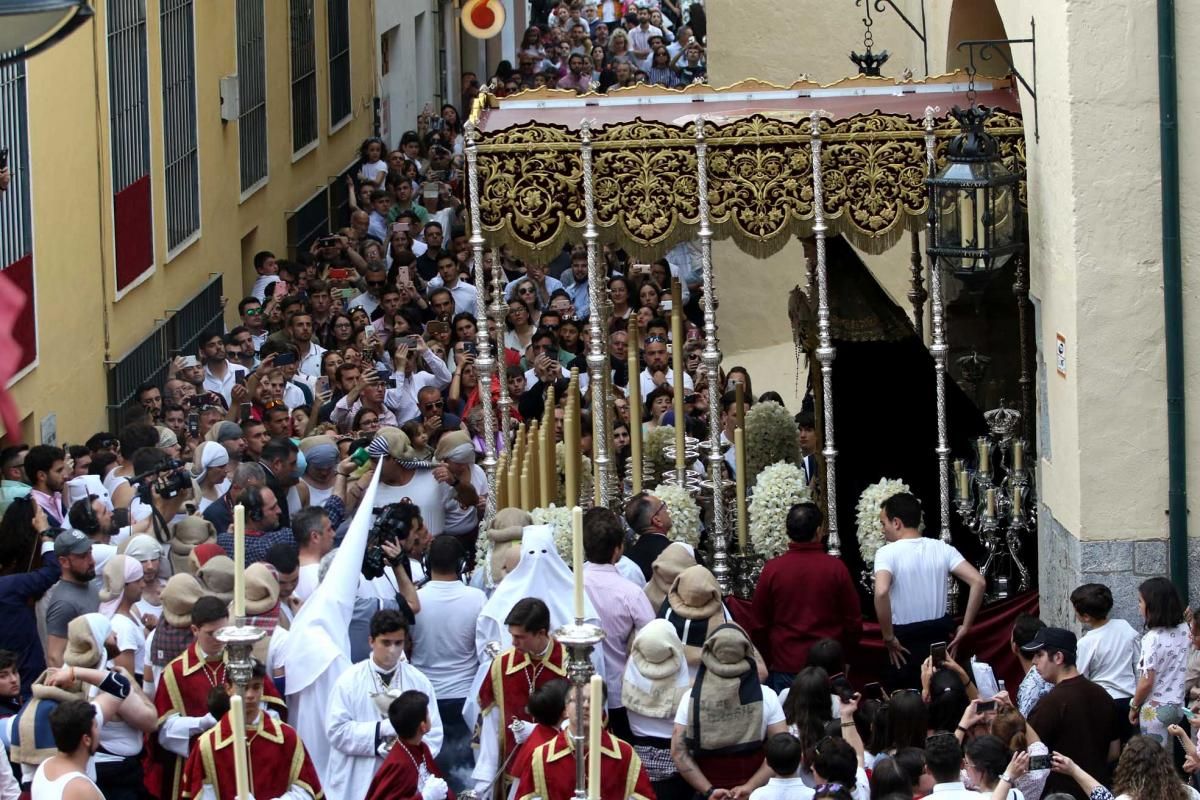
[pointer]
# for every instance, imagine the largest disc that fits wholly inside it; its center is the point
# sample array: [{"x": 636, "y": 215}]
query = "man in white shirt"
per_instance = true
[
  {"x": 409, "y": 378},
  {"x": 356, "y": 721},
  {"x": 639, "y": 37},
  {"x": 658, "y": 370},
  {"x": 376, "y": 279},
  {"x": 314, "y": 536},
  {"x": 300, "y": 329},
  {"x": 444, "y": 647},
  {"x": 448, "y": 277},
  {"x": 220, "y": 374},
  {"x": 911, "y": 574},
  {"x": 456, "y": 452}
]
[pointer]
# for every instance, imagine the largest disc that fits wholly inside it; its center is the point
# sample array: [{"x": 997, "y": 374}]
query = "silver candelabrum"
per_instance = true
[
  {"x": 580, "y": 638},
  {"x": 239, "y": 640},
  {"x": 996, "y": 500}
]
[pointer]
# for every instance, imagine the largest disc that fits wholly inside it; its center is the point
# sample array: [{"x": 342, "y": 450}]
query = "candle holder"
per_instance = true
[
  {"x": 998, "y": 504},
  {"x": 720, "y": 503},
  {"x": 239, "y": 641},
  {"x": 580, "y": 638},
  {"x": 747, "y": 567}
]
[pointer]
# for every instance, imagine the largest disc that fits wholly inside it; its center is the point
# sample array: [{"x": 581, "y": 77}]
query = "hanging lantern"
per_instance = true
[
  {"x": 29, "y": 26},
  {"x": 973, "y": 202}
]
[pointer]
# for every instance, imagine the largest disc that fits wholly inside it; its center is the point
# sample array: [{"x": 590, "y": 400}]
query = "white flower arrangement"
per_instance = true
[
  {"x": 685, "y": 514},
  {"x": 771, "y": 437},
  {"x": 560, "y": 518},
  {"x": 870, "y": 529},
  {"x": 779, "y": 487}
]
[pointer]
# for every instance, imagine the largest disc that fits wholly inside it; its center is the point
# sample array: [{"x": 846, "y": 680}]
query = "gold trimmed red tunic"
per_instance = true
[
  {"x": 551, "y": 772},
  {"x": 276, "y": 760}
]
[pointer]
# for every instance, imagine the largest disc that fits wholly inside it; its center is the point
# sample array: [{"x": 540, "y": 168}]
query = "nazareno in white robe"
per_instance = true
[{"x": 354, "y": 724}]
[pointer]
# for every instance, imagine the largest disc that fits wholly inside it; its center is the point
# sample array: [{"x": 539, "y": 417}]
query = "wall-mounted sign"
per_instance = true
[{"x": 483, "y": 19}]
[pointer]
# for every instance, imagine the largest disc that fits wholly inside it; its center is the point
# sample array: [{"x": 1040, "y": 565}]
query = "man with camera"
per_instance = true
[{"x": 405, "y": 477}]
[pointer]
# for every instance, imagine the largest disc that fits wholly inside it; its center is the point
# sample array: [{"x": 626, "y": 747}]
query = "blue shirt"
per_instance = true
[{"x": 20, "y": 622}]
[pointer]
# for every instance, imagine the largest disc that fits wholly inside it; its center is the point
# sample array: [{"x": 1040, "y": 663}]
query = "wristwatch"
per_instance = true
[{"x": 709, "y": 793}]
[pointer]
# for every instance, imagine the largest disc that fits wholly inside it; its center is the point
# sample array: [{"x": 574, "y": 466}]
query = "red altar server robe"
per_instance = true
[
  {"x": 399, "y": 776},
  {"x": 551, "y": 772},
  {"x": 511, "y": 679},
  {"x": 183, "y": 690},
  {"x": 277, "y": 761},
  {"x": 520, "y": 761}
]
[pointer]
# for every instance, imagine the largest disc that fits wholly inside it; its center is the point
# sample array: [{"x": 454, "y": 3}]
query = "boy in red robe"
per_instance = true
[
  {"x": 547, "y": 705},
  {"x": 550, "y": 774},
  {"x": 534, "y": 660},
  {"x": 409, "y": 771},
  {"x": 182, "y": 697},
  {"x": 278, "y": 764}
]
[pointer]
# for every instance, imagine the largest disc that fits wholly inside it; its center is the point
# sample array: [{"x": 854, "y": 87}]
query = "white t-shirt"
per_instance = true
[
  {"x": 424, "y": 490},
  {"x": 465, "y": 520},
  {"x": 308, "y": 581},
  {"x": 772, "y": 710},
  {"x": 130, "y": 636},
  {"x": 1108, "y": 656},
  {"x": 444, "y": 636},
  {"x": 375, "y": 172},
  {"x": 918, "y": 568}
]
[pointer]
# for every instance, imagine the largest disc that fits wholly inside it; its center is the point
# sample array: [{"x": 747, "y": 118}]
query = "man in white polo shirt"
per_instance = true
[{"x": 911, "y": 572}]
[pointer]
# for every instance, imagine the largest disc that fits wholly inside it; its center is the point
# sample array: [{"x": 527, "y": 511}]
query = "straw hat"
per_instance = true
[
  {"x": 262, "y": 589},
  {"x": 674, "y": 559},
  {"x": 86, "y": 635},
  {"x": 186, "y": 535},
  {"x": 178, "y": 596},
  {"x": 696, "y": 594},
  {"x": 216, "y": 576}
]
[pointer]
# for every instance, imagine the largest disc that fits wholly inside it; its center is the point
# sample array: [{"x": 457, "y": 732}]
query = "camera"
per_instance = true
[
  {"x": 393, "y": 524},
  {"x": 168, "y": 480}
]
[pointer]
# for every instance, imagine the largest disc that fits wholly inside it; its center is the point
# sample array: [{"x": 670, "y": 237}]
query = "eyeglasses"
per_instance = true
[
  {"x": 342, "y": 325},
  {"x": 376, "y": 284},
  {"x": 434, "y": 405}
]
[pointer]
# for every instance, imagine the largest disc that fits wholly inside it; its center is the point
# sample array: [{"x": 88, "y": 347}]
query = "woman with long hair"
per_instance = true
[
  {"x": 519, "y": 324},
  {"x": 1162, "y": 668},
  {"x": 907, "y": 720},
  {"x": 648, "y": 297},
  {"x": 341, "y": 331},
  {"x": 618, "y": 48},
  {"x": 985, "y": 760},
  {"x": 620, "y": 290},
  {"x": 807, "y": 709},
  {"x": 661, "y": 70},
  {"x": 25, "y": 575},
  {"x": 1144, "y": 772}
]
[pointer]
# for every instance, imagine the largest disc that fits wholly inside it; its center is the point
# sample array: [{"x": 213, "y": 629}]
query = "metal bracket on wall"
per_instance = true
[
  {"x": 920, "y": 32},
  {"x": 986, "y": 48}
]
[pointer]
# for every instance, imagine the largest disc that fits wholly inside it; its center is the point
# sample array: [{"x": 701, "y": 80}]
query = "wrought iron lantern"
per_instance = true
[
  {"x": 27, "y": 27},
  {"x": 973, "y": 204}
]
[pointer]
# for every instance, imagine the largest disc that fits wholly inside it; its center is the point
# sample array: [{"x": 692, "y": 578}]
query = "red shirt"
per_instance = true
[{"x": 802, "y": 596}]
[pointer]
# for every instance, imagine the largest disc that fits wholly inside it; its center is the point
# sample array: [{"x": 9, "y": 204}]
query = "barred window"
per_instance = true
[
  {"x": 252, "y": 89},
  {"x": 340, "y": 103},
  {"x": 179, "y": 121},
  {"x": 129, "y": 132},
  {"x": 16, "y": 211},
  {"x": 304, "y": 74}
]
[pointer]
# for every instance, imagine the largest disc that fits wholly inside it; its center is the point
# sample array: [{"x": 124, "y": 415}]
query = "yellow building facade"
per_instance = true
[
  {"x": 154, "y": 152},
  {"x": 1095, "y": 241}
]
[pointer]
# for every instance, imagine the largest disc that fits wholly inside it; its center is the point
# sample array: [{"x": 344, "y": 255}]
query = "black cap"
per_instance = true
[{"x": 1056, "y": 639}]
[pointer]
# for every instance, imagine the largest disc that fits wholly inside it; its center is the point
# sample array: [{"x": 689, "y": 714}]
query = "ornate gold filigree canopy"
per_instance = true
[{"x": 760, "y": 174}]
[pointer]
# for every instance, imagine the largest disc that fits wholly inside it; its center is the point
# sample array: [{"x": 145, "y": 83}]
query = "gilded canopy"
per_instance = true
[{"x": 759, "y": 136}]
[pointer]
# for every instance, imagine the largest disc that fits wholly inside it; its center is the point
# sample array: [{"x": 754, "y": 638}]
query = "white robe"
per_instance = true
[{"x": 351, "y": 723}]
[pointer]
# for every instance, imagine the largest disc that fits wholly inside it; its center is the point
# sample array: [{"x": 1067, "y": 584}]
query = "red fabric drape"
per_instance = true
[
  {"x": 133, "y": 236},
  {"x": 988, "y": 640}
]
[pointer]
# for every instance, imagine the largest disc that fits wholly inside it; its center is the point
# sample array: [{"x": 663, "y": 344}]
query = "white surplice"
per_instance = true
[{"x": 354, "y": 726}]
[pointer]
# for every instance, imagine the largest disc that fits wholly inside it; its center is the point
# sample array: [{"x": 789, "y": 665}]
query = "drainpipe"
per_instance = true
[{"x": 1168, "y": 106}]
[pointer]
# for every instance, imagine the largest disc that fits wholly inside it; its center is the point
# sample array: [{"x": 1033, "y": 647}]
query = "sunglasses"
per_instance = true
[
  {"x": 526, "y": 290},
  {"x": 376, "y": 284},
  {"x": 253, "y": 312},
  {"x": 434, "y": 405}
]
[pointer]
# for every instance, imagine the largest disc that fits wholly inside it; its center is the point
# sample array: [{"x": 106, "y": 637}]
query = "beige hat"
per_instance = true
[
  {"x": 166, "y": 437},
  {"x": 178, "y": 596},
  {"x": 86, "y": 635},
  {"x": 397, "y": 444},
  {"x": 695, "y": 594},
  {"x": 505, "y": 535},
  {"x": 186, "y": 535},
  {"x": 216, "y": 576},
  {"x": 656, "y": 675},
  {"x": 674, "y": 559},
  {"x": 262, "y": 589},
  {"x": 455, "y": 446}
]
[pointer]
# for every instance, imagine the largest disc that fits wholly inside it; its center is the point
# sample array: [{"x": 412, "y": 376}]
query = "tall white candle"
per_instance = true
[
  {"x": 241, "y": 768},
  {"x": 577, "y": 559},
  {"x": 595, "y": 715},
  {"x": 239, "y": 562}
]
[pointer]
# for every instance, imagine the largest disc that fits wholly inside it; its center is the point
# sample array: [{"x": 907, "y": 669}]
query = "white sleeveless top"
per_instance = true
[
  {"x": 45, "y": 789},
  {"x": 316, "y": 495}
]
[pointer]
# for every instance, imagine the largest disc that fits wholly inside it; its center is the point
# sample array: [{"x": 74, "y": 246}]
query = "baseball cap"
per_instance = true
[
  {"x": 71, "y": 543},
  {"x": 1055, "y": 639}
]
